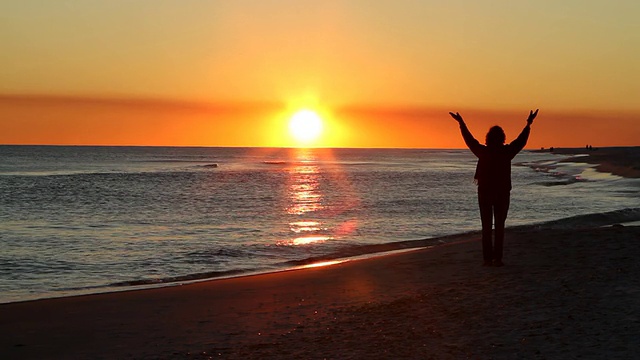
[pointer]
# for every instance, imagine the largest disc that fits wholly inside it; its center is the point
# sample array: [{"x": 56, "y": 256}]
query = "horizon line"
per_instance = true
[{"x": 308, "y": 148}]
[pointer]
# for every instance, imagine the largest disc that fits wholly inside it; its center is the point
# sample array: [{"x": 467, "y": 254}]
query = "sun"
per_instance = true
[{"x": 305, "y": 126}]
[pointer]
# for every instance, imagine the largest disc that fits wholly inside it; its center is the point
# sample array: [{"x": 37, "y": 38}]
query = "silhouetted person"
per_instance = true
[{"x": 493, "y": 176}]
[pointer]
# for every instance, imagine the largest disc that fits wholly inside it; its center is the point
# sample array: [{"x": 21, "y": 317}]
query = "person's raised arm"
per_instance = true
[
  {"x": 472, "y": 143},
  {"x": 519, "y": 143},
  {"x": 532, "y": 116}
]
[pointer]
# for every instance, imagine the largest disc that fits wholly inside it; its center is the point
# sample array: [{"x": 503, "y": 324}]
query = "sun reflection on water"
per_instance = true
[
  {"x": 310, "y": 240},
  {"x": 323, "y": 263},
  {"x": 303, "y": 191},
  {"x": 305, "y": 198},
  {"x": 302, "y": 226}
]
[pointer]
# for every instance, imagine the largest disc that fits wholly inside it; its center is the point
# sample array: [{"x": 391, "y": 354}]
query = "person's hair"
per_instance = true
[{"x": 495, "y": 136}]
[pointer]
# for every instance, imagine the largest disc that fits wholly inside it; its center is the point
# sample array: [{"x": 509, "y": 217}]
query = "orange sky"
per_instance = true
[
  {"x": 68, "y": 121},
  {"x": 382, "y": 74}
]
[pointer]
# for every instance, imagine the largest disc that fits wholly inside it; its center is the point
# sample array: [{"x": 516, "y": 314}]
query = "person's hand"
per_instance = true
[
  {"x": 532, "y": 115},
  {"x": 457, "y": 117}
]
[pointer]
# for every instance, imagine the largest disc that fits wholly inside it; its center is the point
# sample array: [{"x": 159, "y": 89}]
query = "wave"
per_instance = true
[
  {"x": 178, "y": 161},
  {"x": 586, "y": 221},
  {"x": 181, "y": 278},
  {"x": 571, "y": 223},
  {"x": 70, "y": 173},
  {"x": 569, "y": 181},
  {"x": 316, "y": 163},
  {"x": 563, "y": 173},
  {"x": 181, "y": 166},
  {"x": 113, "y": 172}
]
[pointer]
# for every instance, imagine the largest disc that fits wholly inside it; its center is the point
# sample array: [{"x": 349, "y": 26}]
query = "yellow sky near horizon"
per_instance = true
[{"x": 576, "y": 60}]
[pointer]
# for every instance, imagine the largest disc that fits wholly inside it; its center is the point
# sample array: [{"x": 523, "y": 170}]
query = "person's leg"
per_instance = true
[
  {"x": 486, "y": 216},
  {"x": 501, "y": 208}
]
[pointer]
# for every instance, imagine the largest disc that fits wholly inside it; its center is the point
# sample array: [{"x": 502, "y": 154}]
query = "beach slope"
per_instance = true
[
  {"x": 621, "y": 161},
  {"x": 564, "y": 293}
]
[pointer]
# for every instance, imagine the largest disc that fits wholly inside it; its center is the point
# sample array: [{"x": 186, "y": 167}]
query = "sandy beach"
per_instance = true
[
  {"x": 568, "y": 290},
  {"x": 563, "y": 294},
  {"x": 621, "y": 161}
]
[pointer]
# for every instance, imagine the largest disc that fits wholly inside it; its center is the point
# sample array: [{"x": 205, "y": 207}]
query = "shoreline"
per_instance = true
[
  {"x": 563, "y": 293},
  {"x": 168, "y": 284},
  {"x": 570, "y": 288},
  {"x": 357, "y": 253},
  {"x": 621, "y": 161},
  {"x": 603, "y": 153}
]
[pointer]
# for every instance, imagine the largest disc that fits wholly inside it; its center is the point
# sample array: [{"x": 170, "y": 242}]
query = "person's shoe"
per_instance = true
[
  {"x": 498, "y": 263},
  {"x": 487, "y": 263}
]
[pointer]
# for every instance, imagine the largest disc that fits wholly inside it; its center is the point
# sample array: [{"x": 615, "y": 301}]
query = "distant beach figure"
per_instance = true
[{"x": 493, "y": 177}]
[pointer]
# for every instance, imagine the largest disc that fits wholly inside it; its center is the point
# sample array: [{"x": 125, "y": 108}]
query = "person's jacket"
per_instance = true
[{"x": 493, "y": 172}]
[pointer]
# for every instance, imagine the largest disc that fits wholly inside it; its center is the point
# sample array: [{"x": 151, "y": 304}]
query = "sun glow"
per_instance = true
[{"x": 305, "y": 126}]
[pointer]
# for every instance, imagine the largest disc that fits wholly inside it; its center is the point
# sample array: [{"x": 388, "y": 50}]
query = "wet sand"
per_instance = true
[
  {"x": 621, "y": 161},
  {"x": 563, "y": 294}
]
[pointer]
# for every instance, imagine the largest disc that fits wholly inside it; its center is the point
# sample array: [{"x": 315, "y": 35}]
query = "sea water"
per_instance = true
[{"x": 78, "y": 220}]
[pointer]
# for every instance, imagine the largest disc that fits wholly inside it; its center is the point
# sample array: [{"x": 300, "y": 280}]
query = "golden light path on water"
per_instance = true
[
  {"x": 316, "y": 216},
  {"x": 323, "y": 263},
  {"x": 305, "y": 198}
]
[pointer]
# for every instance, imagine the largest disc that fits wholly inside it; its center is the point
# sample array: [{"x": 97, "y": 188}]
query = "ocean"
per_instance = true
[{"x": 77, "y": 220}]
